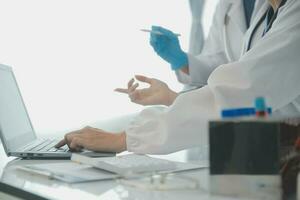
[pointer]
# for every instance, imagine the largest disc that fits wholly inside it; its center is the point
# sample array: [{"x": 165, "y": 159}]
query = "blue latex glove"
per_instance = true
[{"x": 168, "y": 48}]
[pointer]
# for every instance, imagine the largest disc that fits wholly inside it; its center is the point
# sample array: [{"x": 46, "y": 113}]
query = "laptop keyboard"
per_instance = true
[{"x": 46, "y": 146}]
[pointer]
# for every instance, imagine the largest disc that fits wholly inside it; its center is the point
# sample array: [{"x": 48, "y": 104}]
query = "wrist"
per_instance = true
[
  {"x": 120, "y": 141},
  {"x": 180, "y": 61},
  {"x": 185, "y": 70},
  {"x": 171, "y": 97}
]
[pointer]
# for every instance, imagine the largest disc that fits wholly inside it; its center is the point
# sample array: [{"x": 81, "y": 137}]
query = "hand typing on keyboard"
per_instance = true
[{"x": 95, "y": 140}]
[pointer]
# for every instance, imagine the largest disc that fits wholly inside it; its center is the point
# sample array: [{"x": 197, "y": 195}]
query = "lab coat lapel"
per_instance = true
[
  {"x": 237, "y": 15},
  {"x": 254, "y": 22}
]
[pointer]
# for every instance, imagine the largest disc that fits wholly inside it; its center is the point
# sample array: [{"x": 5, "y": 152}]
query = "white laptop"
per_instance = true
[{"x": 16, "y": 130}]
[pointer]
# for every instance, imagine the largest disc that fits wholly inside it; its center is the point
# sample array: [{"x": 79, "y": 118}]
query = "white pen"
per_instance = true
[{"x": 157, "y": 32}]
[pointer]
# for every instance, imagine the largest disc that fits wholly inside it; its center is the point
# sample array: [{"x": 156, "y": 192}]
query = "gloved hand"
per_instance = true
[
  {"x": 157, "y": 94},
  {"x": 167, "y": 47}
]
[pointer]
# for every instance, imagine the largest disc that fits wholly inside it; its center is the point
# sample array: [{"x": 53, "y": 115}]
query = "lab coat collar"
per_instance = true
[{"x": 237, "y": 15}]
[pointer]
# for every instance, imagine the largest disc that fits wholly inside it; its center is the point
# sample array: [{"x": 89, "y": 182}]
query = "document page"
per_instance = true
[{"x": 70, "y": 172}]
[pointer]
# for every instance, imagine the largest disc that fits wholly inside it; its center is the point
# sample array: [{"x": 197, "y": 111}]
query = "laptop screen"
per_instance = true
[{"x": 15, "y": 126}]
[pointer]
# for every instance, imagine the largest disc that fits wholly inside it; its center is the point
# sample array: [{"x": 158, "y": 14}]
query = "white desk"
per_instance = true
[{"x": 110, "y": 190}]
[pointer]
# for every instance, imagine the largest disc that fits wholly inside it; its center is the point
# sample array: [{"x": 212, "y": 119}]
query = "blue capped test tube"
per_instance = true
[{"x": 260, "y": 107}]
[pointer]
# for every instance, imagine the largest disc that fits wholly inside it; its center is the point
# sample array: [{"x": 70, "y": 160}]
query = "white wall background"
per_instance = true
[{"x": 69, "y": 55}]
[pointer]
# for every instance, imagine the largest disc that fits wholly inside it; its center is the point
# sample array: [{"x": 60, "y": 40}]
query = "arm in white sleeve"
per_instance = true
[
  {"x": 212, "y": 55},
  {"x": 200, "y": 67},
  {"x": 162, "y": 130},
  {"x": 270, "y": 69}
]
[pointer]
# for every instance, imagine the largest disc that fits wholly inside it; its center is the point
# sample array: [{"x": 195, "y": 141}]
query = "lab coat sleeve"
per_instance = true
[
  {"x": 162, "y": 130},
  {"x": 212, "y": 55},
  {"x": 270, "y": 69}
]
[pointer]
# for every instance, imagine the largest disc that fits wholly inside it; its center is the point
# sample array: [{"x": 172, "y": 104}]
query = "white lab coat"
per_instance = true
[
  {"x": 224, "y": 42},
  {"x": 271, "y": 68}
]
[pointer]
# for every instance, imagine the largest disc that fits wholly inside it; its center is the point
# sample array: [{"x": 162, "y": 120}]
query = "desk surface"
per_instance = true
[{"x": 111, "y": 190}]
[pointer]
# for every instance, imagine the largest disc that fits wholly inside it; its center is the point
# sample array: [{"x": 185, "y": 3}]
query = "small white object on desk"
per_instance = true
[{"x": 162, "y": 182}]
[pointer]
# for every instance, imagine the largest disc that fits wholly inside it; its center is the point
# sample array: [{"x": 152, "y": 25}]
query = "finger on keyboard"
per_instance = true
[{"x": 61, "y": 143}]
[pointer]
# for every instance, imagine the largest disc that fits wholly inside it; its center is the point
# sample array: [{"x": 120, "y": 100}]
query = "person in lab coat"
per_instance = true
[
  {"x": 269, "y": 67},
  {"x": 231, "y": 20},
  {"x": 223, "y": 45}
]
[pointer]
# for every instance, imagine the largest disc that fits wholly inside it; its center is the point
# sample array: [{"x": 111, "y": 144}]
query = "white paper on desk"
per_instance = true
[{"x": 69, "y": 172}]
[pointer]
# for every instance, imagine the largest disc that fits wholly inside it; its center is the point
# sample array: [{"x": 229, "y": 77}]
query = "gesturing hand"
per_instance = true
[{"x": 157, "y": 94}]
